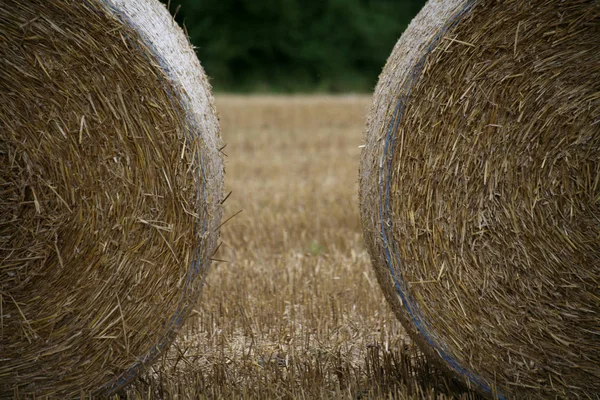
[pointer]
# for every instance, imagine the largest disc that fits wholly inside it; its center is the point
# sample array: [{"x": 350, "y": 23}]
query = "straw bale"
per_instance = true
[
  {"x": 110, "y": 191},
  {"x": 480, "y": 192}
]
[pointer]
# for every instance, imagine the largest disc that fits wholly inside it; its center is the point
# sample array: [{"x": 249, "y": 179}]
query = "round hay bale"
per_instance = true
[
  {"x": 480, "y": 192},
  {"x": 111, "y": 188}
]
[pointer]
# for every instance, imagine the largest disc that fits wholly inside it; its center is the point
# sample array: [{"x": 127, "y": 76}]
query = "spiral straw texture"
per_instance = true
[
  {"x": 480, "y": 192},
  {"x": 110, "y": 191}
]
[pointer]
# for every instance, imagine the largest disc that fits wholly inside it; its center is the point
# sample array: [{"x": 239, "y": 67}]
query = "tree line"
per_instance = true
[{"x": 294, "y": 45}]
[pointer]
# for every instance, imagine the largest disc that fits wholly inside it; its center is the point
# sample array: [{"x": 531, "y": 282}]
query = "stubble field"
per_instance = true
[{"x": 293, "y": 310}]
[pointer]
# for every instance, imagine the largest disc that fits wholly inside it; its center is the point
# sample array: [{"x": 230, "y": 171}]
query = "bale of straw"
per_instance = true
[
  {"x": 111, "y": 189},
  {"x": 480, "y": 192}
]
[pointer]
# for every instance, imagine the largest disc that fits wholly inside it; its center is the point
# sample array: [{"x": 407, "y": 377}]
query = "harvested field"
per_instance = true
[{"x": 294, "y": 310}]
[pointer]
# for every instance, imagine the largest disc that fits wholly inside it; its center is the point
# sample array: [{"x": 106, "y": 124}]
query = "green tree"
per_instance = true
[{"x": 294, "y": 45}]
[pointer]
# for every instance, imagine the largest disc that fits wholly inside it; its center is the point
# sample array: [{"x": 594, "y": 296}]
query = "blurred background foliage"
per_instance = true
[{"x": 294, "y": 45}]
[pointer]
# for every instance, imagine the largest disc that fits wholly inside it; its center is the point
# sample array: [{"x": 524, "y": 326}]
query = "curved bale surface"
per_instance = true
[
  {"x": 480, "y": 188},
  {"x": 111, "y": 184}
]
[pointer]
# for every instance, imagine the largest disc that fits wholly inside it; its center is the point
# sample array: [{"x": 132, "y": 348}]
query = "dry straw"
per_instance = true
[
  {"x": 110, "y": 191},
  {"x": 480, "y": 192}
]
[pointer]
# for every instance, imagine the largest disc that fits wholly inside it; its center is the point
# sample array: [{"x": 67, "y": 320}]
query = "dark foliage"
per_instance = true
[{"x": 294, "y": 45}]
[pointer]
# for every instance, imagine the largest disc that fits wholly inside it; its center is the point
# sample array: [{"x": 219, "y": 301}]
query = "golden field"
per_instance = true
[{"x": 293, "y": 310}]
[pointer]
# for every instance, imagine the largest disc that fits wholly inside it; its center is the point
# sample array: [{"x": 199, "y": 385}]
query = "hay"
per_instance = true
[
  {"x": 479, "y": 192},
  {"x": 110, "y": 191}
]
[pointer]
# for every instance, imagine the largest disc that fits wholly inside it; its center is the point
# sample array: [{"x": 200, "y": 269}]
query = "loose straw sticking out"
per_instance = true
[
  {"x": 479, "y": 192},
  {"x": 106, "y": 225}
]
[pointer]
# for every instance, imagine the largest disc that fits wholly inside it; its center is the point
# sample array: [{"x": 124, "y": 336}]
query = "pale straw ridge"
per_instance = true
[
  {"x": 110, "y": 191},
  {"x": 479, "y": 192}
]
